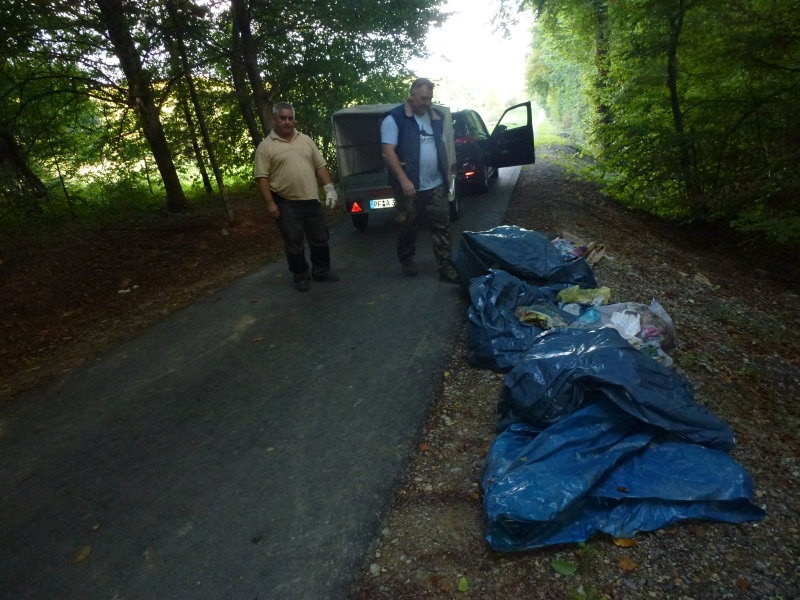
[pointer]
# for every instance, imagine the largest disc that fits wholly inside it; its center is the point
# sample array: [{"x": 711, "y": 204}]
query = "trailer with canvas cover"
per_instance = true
[{"x": 363, "y": 177}]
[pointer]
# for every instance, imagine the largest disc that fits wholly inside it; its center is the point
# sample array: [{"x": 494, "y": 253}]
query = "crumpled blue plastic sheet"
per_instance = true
[
  {"x": 496, "y": 338},
  {"x": 602, "y": 470},
  {"x": 601, "y": 438},
  {"x": 565, "y": 365},
  {"x": 595, "y": 436},
  {"x": 526, "y": 254}
]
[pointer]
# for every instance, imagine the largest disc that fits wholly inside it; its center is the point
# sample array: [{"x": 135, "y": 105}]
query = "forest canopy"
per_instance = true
[
  {"x": 113, "y": 102},
  {"x": 686, "y": 108}
]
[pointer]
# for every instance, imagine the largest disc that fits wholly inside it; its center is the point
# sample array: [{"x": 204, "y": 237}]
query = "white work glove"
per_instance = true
[{"x": 330, "y": 195}]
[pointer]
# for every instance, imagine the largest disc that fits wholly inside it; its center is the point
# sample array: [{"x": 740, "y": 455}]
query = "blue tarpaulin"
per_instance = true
[
  {"x": 526, "y": 254},
  {"x": 595, "y": 436},
  {"x": 565, "y": 366},
  {"x": 601, "y": 470},
  {"x": 496, "y": 337}
]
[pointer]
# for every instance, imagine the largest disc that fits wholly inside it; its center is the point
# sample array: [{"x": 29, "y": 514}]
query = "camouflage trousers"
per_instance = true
[{"x": 410, "y": 212}]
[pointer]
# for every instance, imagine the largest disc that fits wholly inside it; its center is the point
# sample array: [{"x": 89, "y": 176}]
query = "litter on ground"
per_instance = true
[{"x": 597, "y": 433}]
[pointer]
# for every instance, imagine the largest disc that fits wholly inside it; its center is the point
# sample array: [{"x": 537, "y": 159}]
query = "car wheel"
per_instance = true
[
  {"x": 483, "y": 183},
  {"x": 360, "y": 221}
]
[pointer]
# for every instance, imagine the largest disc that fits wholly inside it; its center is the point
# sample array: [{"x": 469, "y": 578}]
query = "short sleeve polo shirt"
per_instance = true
[{"x": 290, "y": 165}]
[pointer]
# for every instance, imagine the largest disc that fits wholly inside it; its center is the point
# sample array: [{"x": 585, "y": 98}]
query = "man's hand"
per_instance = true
[
  {"x": 409, "y": 191},
  {"x": 389, "y": 153},
  {"x": 330, "y": 195},
  {"x": 266, "y": 194}
]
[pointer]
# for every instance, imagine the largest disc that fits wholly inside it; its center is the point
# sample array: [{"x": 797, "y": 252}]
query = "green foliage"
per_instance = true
[
  {"x": 66, "y": 103},
  {"x": 564, "y": 567},
  {"x": 688, "y": 109},
  {"x": 781, "y": 228},
  {"x": 339, "y": 55},
  {"x": 689, "y": 360},
  {"x": 555, "y": 75}
]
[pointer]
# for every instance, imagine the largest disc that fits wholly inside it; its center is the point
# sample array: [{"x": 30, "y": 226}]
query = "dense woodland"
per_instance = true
[
  {"x": 689, "y": 106},
  {"x": 108, "y": 104},
  {"x": 113, "y": 106}
]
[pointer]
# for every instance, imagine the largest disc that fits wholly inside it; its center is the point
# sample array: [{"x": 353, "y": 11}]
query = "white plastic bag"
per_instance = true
[{"x": 627, "y": 322}]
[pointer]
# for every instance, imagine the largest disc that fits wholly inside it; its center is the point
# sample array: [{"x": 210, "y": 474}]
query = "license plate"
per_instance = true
[{"x": 381, "y": 203}]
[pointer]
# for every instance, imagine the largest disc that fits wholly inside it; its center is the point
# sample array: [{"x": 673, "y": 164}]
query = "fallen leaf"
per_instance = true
[
  {"x": 424, "y": 447},
  {"x": 624, "y": 542},
  {"x": 623, "y": 489},
  {"x": 81, "y": 554},
  {"x": 585, "y": 549},
  {"x": 700, "y": 278},
  {"x": 743, "y": 584},
  {"x": 626, "y": 564},
  {"x": 463, "y": 584},
  {"x": 258, "y": 339},
  {"x": 438, "y": 582},
  {"x": 564, "y": 567}
]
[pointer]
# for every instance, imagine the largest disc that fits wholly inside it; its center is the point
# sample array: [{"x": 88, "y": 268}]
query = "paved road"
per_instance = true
[{"x": 246, "y": 447}]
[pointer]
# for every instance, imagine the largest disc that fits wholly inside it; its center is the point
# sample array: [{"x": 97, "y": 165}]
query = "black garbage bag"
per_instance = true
[{"x": 524, "y": 253}]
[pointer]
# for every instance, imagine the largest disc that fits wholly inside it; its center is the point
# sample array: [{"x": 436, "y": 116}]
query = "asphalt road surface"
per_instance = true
[{"x": 244, "y": 448}]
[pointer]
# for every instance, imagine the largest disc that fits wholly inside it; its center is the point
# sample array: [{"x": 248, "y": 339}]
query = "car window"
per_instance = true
[
  {"x": 480, "y": 126},
  {"x": 476, "y": 127},
  {"x": 518, "y": 117},
  {"x": 460, "y": 124}
]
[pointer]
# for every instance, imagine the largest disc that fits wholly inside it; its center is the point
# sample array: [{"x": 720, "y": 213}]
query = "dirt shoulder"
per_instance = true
[
  {"x": 66, "y": 300},
  {"x": 736, "y": 317}
]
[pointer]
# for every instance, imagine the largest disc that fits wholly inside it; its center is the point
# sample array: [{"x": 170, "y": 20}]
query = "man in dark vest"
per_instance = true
[{"x": 415, "y": 155}]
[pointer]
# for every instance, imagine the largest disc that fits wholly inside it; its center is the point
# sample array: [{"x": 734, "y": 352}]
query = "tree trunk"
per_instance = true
[
  {"x": 601, "y": 61},
  {"x": 198, "y": 110},
  {"x": 141, "y": 98},
  {"x": 22, "y": 184},
  {"x": 239, "y": 78},
  {"x": 198, "y": 152},
  {"x": 63, "y": 184},
  {"x": 241, "y": 21},
  {"x": 692, "y": 186}
]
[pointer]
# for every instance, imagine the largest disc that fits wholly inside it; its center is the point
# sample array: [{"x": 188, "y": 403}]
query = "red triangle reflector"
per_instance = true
[{"x": 356, "y": 208}]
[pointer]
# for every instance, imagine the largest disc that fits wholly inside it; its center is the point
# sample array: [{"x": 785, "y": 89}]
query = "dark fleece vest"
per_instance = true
[{"x": 408, "y": 145}]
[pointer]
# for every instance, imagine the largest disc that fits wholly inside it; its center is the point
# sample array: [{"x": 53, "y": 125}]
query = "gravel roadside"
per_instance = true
[{"x": 735, "y": 312}]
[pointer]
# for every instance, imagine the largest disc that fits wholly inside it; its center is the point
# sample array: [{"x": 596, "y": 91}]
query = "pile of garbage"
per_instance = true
[{"x": 597, "y": 433}]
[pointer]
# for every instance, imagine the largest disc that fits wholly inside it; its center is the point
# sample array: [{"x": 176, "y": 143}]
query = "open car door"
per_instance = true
[{"x": 513, "y": 137}]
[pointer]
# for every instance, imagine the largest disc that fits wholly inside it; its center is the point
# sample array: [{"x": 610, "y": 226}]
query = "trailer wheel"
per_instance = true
[{"x": 360, "y": 221}]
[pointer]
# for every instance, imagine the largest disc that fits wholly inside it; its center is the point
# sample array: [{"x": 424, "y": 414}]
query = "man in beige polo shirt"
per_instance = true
[{"x": 287, "y": 165}]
